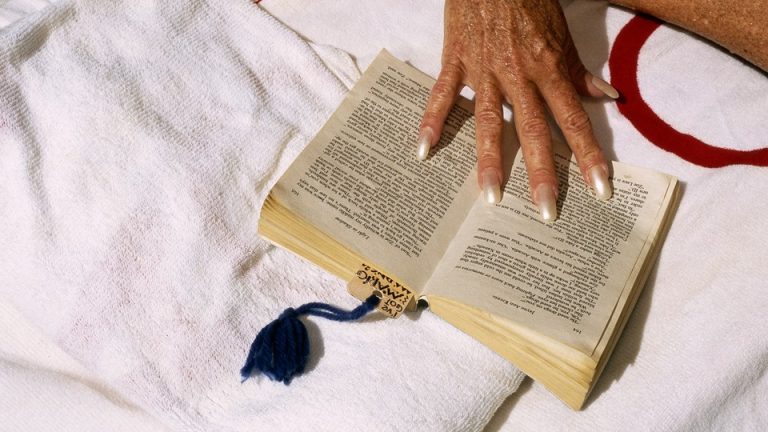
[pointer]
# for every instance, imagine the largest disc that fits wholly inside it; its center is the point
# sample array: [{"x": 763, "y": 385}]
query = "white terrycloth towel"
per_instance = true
[{"x": 138, "y": 140}]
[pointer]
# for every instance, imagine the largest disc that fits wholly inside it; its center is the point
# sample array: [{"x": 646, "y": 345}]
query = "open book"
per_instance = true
[{"x": 552, "y": 299}]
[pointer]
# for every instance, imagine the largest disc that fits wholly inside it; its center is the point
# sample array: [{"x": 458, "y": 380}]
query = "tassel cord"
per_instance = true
[{"x": 334, "y": 313}]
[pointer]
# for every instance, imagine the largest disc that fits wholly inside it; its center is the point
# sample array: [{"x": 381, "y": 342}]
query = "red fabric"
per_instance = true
[{"x": 623, "y": 65}]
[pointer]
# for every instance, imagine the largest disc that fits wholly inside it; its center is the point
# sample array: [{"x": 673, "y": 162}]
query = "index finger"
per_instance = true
[{"x": 441, "y": 100}]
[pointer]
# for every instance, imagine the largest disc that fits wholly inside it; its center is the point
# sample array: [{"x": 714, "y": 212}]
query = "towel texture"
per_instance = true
[
  {"x": 128, "y": 235},
  {"x": 137, "y": 142}
]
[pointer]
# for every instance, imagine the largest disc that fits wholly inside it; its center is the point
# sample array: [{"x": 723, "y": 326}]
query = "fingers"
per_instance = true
[
  {"x": 536, "y": 144},
  {"x": 569, "y": 114},
  {"x": 489, "y": 123},
  {"x": 584, "y": 81},
  {"x": 441, "y": 100}
]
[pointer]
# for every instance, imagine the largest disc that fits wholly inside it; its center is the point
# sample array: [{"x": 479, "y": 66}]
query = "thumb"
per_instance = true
[{"x": 583, "y": 80}]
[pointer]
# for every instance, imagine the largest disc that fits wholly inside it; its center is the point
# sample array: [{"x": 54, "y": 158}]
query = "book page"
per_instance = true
[
  {"x": 359, "y": 180},
  {"x": 562, "y": 280}
]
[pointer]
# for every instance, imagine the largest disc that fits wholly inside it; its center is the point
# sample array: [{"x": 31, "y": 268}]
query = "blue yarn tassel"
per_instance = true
[{"x": 281, "y": 349}]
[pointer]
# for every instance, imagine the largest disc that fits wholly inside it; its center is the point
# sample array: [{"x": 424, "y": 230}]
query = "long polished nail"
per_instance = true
[
  {"x": 605, "y": 87},
  {"x": 599, "y": 178},
  {"x": 491, "y": 186},
  {"x": 546, "y": 201},
  {"x": 424, "y": 143}
]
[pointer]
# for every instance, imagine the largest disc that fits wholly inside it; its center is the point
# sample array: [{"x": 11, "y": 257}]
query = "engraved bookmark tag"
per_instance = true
[{"x": 395, "y": 297}]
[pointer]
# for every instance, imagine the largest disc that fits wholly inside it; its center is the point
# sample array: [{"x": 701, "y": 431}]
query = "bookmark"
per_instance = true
[
  {"x": 395, "y": 297},
  {"x": 281, "y": 349}
]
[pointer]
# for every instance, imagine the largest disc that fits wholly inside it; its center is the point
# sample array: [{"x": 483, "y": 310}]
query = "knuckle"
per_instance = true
[
  {"x": 452, "y": 66},
  {"x": 440, "y": 102},
  {"x": 546, "y": 53},
  {"x": 534, "y": 127},
  {"x": 489, "y": 116},
  {"x": 450, "y": 58},
  {"x": 442, "y": 89},
  {"x": 576, "y": 121}
]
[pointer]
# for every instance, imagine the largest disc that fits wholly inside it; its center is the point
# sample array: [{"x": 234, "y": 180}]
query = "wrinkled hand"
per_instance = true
[{"x": 519, "y": 51}]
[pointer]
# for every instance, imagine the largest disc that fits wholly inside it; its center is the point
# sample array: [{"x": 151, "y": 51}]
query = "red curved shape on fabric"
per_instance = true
[{"x": 623, "y": 62}]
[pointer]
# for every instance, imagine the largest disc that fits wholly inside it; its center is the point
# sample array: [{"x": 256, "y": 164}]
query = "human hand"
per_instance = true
[{"x": 520, "y": 50}]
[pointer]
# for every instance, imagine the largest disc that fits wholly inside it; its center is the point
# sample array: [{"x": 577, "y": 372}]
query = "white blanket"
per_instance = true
[
  {"x": 694, "y": 356},
  {"x": 137, "y": 143}
]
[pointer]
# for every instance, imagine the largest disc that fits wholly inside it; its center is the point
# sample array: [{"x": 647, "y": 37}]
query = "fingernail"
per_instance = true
[
  {"x": 491, "y": 186},
  {"x": 605, "y": 87},
  {"x": 600, "y": 183},
  {"x": 424, "y": 143},
  {"x": 546, "y": 201}
]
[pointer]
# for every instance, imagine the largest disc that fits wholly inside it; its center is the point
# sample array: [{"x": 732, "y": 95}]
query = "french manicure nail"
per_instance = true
[
  {"x": 600, "y": 183},
  {"x": 491, "y": 186},
  {"x": 424, "y": 143},
  {"x": 546, "y": 201},
  {"x": 605, "y": 87}
]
